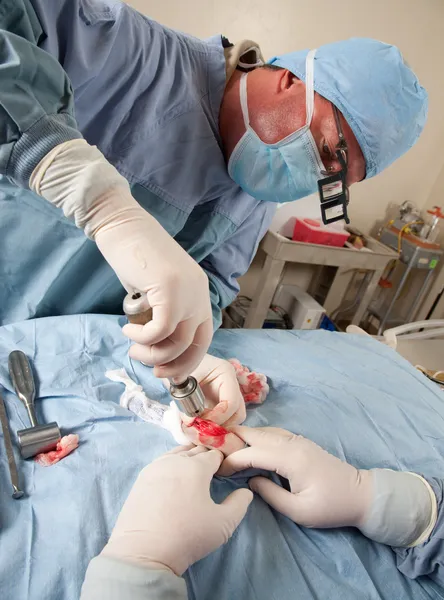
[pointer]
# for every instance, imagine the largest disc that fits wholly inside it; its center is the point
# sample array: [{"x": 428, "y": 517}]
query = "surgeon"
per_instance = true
[
  {"x": 136, "y": 158},
  {"x": 160, "y": 533}
]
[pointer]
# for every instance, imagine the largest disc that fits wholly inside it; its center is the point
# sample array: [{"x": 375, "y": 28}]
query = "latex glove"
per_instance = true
[
  {"x": 394, "y": 508},
  {"x": 77, "y": 178},
  {"x": 169, "y": 520},
  {"x": 325, "y": 492},
  {"x": 225, "y": 403}
]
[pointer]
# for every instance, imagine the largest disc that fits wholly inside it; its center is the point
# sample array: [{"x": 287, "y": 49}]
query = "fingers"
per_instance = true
[
  {"x": 211, "y": 459},
  {"x": 164, "y": 351},
  {"x": 186, "y": 451},
  {"x": 231, "y": 406},
  {"x": 206, "y": 433},
  {"x": 193, "y": 355},
  {"x": 176, "y": 356},
  {"x": 278, "y": 498},
  {"x": 235, "y": 507},
  {"x": 238, "y": 417},
  {"x": 258, "y": 458},
  {"x": 162, "y": 326},
  {"x": 266, "y": 451},
  {"x": 195, "y": 450},
  {"x": 231, "y": 444},
  {"x": 266, "y": 436},
  {"x": 219, "y": 381},
  {"x": 179, "y": 450}
]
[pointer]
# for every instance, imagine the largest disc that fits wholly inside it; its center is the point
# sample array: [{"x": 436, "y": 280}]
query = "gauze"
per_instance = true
[{"x": 151, "y": 411}]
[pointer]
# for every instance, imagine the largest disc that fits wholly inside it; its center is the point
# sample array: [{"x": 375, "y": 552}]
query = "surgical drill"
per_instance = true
[{"x": 187, "y": 393}]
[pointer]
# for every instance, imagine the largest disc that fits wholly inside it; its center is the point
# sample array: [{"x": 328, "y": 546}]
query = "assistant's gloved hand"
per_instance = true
[
  {"x": 394, "y": 508},
  {"x": 77, "y": 178},
  {"x": 169, "y": 520}
]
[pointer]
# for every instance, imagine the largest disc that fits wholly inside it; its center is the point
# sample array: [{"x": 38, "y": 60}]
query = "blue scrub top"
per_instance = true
[{"x": 148, "y": 98}]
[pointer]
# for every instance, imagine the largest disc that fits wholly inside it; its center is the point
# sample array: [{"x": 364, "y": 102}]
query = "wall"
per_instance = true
[{"x": 436, "y": 197}]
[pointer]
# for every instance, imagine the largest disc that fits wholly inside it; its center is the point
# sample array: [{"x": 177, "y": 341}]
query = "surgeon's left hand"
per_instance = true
[
  {"x": 225, "y": 403},
  {"x": 169, "y": 520}
]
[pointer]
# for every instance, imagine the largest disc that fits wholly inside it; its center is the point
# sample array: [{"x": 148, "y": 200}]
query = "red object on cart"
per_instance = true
[{"x": 314, "y": 232}]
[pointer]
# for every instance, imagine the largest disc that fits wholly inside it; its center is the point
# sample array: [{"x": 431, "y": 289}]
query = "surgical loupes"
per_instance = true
[{"x": 187, "y": 394}]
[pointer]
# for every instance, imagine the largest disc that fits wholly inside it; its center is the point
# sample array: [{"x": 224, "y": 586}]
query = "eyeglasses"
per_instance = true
[{"x": 333, "y": 190}]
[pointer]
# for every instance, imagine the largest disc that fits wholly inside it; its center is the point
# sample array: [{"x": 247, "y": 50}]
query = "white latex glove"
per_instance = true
[
  {"x": 217, "y": 378},
  {"x": 169, "y": 520},
  {"x": 77, "y": 178},
  {"x": 394, "y": 508},
  {"x": 325, "y": 492}
]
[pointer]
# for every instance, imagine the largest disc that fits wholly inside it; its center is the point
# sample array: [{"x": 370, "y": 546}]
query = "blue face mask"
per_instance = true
[{"x": 281, "y": 172}]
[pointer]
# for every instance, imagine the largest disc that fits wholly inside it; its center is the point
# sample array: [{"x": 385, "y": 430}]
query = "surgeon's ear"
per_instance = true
[{"x": 290, "y": 81}]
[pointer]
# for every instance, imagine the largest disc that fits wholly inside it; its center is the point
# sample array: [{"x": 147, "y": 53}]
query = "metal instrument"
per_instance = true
[
  {"x": 413, "y": 237},
  {"x": 38, "y": 438},
  {"x": 16, "y": 491},
  {"x": 187, "y": 394}
]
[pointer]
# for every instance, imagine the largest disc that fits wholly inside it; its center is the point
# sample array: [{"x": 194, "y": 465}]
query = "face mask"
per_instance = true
[{"x": 281, "y": 172}]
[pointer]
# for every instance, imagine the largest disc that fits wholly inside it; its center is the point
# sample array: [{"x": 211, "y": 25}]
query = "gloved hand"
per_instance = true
[
  {"x": 77, "y": 178},
  {"x": 169, "y": 520},
  {"x": 225, "y": 404},
  {"x": 217, "y": 378},
  {"x": 391, "y": 507}
]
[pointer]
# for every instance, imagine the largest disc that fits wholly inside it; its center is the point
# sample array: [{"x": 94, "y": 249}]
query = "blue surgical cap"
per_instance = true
[{"x": 376, "y": 91}]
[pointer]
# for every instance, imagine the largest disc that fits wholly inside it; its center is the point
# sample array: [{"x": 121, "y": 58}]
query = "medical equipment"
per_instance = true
[
  {"x": 412, "y": 238},
  {"x": 186, "y": 393},
  {"x": 430, "y": 230},
  {"x": 303, "y": 310},
  {"x": 237, "y": 312},
  {"x": 280, "y": 251},
  {"x": 38, "y": 438},
  {"x": 17, "y": 492}
]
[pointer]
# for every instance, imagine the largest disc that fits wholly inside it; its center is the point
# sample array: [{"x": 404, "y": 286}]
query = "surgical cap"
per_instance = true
[{"x": 376, "y": 91}]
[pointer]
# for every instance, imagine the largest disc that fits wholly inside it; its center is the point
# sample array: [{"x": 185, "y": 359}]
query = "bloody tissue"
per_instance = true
[
  {"x": 67, "y": 444},
  {"x": 209, "y": 433}
]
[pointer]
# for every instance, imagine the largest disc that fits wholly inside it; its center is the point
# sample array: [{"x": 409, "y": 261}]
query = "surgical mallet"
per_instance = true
[
  {"x": 186, "y": 393},
  {"x": 38, "y": 438}
]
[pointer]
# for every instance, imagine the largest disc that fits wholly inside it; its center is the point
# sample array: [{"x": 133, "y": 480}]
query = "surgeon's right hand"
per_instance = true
[
  {"x": 77, "y": 177},
  {"x": 169, "y": 520},
  {"x": 146, "y": 258}
]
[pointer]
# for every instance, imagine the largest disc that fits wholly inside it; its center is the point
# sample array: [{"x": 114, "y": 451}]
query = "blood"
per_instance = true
[
  {"x": 67, "y": 444},
  {"x": 253, "y": 386},
  {"x": 209, "y": 433}
]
